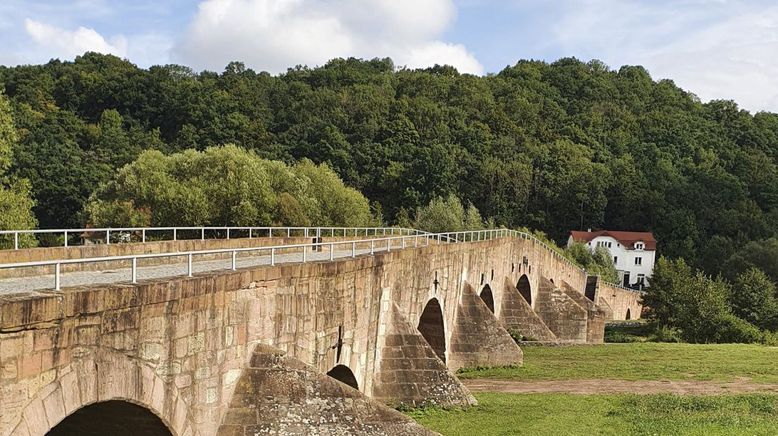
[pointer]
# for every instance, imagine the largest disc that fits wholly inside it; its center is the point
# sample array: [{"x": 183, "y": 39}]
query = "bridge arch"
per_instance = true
[
  {"x": 343, "y": 374},
  {"x": 432, "y": 328},
  {"x": 95, "y": 379},
  {"x": 629, "y": 315},
  {"x": 525, "y": 289},
  {"x": 488, "y": 297},
  {"x": 114, "y": 417}
]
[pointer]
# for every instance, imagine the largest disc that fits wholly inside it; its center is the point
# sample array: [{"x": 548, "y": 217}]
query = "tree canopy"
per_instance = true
[
  {"x": 551, "y": 146},
  {"x": 225, "y": 186}
]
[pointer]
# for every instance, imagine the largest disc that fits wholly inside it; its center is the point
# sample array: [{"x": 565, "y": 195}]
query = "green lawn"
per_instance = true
[
  {"x": 642, "y": 361},
  {"x": 559, "y": 414}
]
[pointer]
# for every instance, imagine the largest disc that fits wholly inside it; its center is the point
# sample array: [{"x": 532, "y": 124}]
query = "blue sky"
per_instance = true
[{"x": 714, "y": 48}]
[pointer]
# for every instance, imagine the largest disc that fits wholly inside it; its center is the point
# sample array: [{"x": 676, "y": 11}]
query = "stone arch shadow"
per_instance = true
[
  {"x": 114, "y": 417},
  {"x": 103, "y": 377},
  {"x": 525, "y": 289},
  {"x": 488, "y": 297},
  {"x": 345, "y": 375},
  {"x": 628, "y": 316},
  {"x": 432, "y": 327}
]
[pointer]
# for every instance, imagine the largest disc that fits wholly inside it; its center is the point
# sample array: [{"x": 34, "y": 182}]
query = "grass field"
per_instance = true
[
  {"x": 642, "y": 361},
  {"x": 561, "y": 414}
]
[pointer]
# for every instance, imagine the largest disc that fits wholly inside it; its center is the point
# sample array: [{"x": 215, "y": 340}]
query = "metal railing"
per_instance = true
[
  {"x": 375, "y": 245},
  {"x": 143, "y": 234}
]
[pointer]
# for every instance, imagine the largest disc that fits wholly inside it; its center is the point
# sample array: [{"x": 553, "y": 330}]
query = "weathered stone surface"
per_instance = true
[
  {"x": 478, "y": 339},
  {"x": 561, "y": 314},
  {"x": 280, "y": 395},
  {"x": 410, "y": 373},
  {"x": 595, "y": 323},
  {"x": 517, "y": 314},
  {"x": 623, "y": 302}
]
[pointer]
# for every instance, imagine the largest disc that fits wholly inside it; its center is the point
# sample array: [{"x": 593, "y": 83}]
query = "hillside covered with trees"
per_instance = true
[{"x": 559, "y": 146}]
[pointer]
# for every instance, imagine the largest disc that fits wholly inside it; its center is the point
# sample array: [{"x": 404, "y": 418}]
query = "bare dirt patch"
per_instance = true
[{"x": 740, "y": 386}]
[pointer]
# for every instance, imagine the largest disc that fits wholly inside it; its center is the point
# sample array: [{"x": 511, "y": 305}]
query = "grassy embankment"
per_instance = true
[
  {"x": 564, "y": 414},
  {"x": 642, "y": 361},
  {"x": 622, "y": 414}
]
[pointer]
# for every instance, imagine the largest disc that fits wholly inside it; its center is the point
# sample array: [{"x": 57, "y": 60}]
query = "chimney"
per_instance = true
[{"x": 589, "y": 230}]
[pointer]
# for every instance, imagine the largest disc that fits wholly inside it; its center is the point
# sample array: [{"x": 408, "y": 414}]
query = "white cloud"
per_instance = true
[
  {"x": 716, "y": 49},
  {"x": 274, "y": 35},
  {"x": 70, "y": 43}
]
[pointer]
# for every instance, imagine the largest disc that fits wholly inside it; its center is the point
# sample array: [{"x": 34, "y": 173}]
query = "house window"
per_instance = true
[
  {"x": 638, "y": 261},
  {"x": 615, "y": 260},
  {"x": 639, "y": 246},
  {"x": 641, "y": 279}
]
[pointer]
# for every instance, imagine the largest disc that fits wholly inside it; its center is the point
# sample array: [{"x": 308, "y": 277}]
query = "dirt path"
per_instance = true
[{"x": 618, "y": 387}]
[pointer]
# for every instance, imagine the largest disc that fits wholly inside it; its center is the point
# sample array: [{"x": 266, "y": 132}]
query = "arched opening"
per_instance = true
[
  {"x": 431, "y": 327},
  {"x": 116, "y": 418},
  {"x": 488, "y": 297},
  {"x": 629, "y": 315},
  {"x": 524, "y": 289},
  {"x": 343, "y": 374}
]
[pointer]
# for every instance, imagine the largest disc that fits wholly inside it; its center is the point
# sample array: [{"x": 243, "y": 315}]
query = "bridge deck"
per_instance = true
[{"x": 123, "y": 275}]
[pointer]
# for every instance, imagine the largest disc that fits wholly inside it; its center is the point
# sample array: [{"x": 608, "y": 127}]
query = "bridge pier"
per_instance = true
[{"x": 478, "y": 339}]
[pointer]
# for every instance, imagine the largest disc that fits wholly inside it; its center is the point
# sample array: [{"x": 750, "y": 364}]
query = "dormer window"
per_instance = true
[{"x": 639, "y": 245}]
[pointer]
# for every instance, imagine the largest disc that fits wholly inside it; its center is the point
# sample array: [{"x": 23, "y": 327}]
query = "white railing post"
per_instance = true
[
  {"x": 353, "y": 249},
  {"x": 332, "y": 251},
  {"x": 143, "y": 235},
  {"x": 228, "y": 233},
  {"x": 416, "y": 241},
  {"x": 270, "y": 233},
  {"x": 306, "y": 232},
  {"x": 304, "y": 250},
  {"x": 175, "y": 234},
  {"x": 384, "y": 231},
  {"x": 372, "y": 246},
  {"x": 234, "y": 260},
  {"x": 403, "y": 241},
  {"x": 16, "y": 240},
  {"x": 250, "y": 229},
  {"x": 202, "y": 233},
  {"x": 189, "y": 265},
  {"x": 56, "y": 277},
  {"x": 134, "y": 270},
  {"x": 66, "y": 238},
  {"x": 389, "y": 244},
  {"x": 288, "y": 232},
  {"x": 107, "y": 237}
]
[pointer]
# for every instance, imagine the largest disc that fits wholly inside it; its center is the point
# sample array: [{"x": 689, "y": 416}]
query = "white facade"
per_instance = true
[{"x": 634, "y": 264}]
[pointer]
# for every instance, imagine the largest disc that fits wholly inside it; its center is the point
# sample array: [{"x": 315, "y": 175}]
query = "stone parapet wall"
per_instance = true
[{"x": 155, "y": 247}]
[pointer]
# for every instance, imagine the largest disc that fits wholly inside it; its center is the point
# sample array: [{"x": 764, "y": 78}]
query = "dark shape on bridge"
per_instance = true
[
  {"x": 486, "y": 295},
  {"x": 343, "y": 374},
  {"x": 431, "y": 327},
  {"x": 524, "y": 289},
  {"x": 115, "y": 418},
  {"x": 629, "y": 315}
]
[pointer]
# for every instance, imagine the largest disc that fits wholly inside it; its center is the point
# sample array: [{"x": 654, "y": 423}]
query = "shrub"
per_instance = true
[{"x": 732, "y": 329}]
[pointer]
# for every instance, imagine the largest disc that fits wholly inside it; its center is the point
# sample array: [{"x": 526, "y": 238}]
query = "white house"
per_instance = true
[{"x": 633, "y": 253}]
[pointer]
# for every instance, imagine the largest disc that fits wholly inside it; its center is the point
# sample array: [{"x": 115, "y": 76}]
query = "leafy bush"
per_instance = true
[
  {"x": 732, "y": 329},
  {"x": 665, "y": 334},
  {"x": 753, "y": 299}
]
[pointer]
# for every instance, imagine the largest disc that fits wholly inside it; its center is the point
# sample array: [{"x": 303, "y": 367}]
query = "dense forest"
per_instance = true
[{"x": 550, "y": 146}]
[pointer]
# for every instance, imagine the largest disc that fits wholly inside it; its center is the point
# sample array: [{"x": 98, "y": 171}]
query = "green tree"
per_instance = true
[
  {"x": 753, "y": 299},
  {"x": 15, "y": 200}
]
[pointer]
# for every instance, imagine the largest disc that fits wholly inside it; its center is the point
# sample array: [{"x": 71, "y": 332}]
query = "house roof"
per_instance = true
[{"x": 627, "y": 239}]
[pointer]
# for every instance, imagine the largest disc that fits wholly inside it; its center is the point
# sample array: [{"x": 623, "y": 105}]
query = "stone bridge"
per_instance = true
[{"x": 321, "y": 347}]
